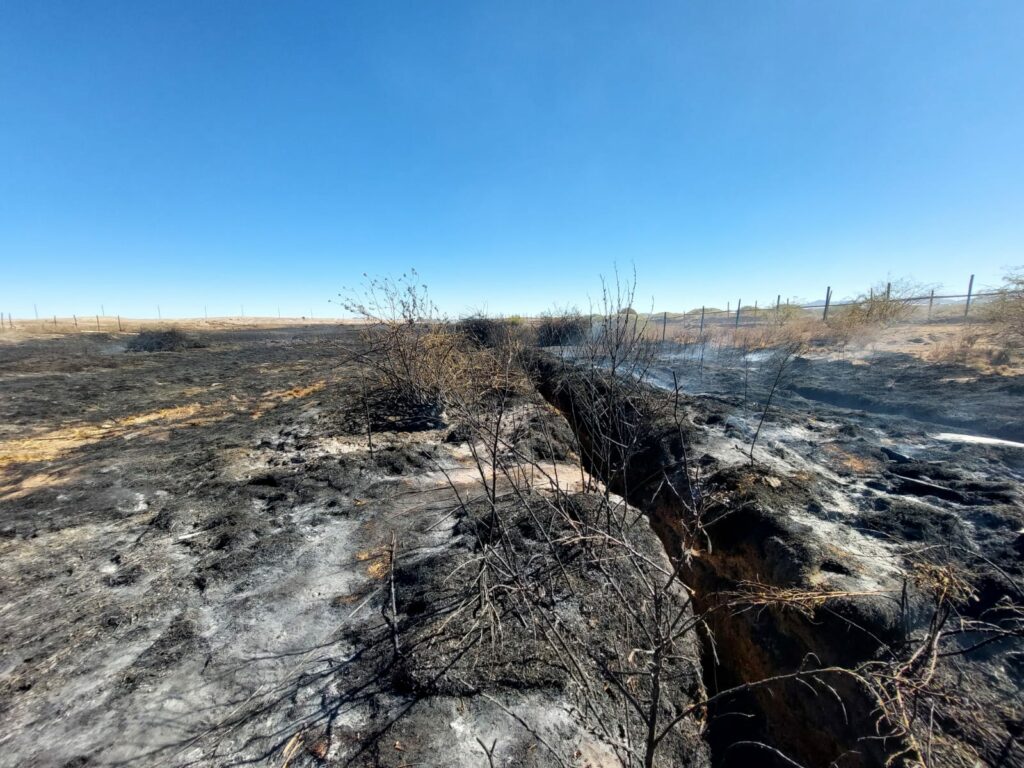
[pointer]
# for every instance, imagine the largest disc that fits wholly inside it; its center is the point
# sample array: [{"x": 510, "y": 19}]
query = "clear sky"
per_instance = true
[{"x": 194, "y": 153}]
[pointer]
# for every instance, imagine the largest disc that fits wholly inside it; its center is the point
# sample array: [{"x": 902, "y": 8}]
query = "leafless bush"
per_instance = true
[
  {"x": 788, "y": 313},
  {"x": 637, "y": 603},
  {"x": 494, "y": 331},
  {"x": 561, "y": 328},
  {"x": 883, "y": 304},
  {"x": 415, "y": 351},
  {"x": 1006, "y": 311}
]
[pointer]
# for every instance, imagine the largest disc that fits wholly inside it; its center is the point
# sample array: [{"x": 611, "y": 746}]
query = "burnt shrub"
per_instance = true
[
  {"x": 555, "y": 330},
  {"x": 493, "y": 332},
  {"x": 172, "y": 340}
]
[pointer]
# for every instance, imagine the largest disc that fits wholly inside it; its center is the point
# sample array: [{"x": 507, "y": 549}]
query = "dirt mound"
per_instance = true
[{"x": 162, "y": 341}]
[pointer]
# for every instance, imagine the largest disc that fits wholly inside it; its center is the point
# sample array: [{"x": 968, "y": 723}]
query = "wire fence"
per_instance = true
[
  {"x": 939, "y": 307},
  {"x": 944, "y": 307},
  {"x": 57, "y": 324}
]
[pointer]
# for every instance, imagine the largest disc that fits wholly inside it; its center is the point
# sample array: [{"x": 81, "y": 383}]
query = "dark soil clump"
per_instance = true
[{"x": 162, "y": 341}]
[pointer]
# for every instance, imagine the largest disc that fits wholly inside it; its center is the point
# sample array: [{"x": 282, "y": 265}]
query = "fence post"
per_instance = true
[
  {"x": 970, "y": 290},
  {"x": 931, "y": 300},
  {"x": 75, "y": 318},
  {"x": 664, "y": 324},
  {"x": 828, "y": 300},
  {"x": 739, "y": 303},
  {"x": 702, "y": 321},
  {"x": 97, "y": 323},
  {"x": 118, "y": 323},
  {"x": 888, "y": 290}
]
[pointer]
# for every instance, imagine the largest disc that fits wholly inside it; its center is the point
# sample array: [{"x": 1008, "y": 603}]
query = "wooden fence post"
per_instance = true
[
  {"x": 75, "y": 318},
  {"x": 118, "y": 323},
  {"x": 739, "y": 303},
  {"x": 888, "y": 291},
  {"x": 664, "y": 324},
  {"x": 931, "y": 300},
  {"x": 97, "y": 323},
  {"x": 702, "y": 321},
  {"x": 828, "y": 300},
  {"x": 970, "y": 290}
]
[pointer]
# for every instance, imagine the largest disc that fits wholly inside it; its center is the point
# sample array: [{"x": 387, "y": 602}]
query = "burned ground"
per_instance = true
[
  {"x": 197, "y": 569},
  {"x": 199, "y": 548},
  {"x": 856, "y": 493}
]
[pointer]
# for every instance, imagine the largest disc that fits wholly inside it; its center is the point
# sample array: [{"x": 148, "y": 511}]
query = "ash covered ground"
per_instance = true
[
  {"x": 200, "y": 548},
  {"x": 879, "y": 465},
  {"x": 207, "y": 561}
]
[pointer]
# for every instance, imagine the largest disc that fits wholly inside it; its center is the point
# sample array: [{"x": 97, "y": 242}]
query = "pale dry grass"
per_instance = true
[
  {"x": 52, "y": 444},
  {"x": 66, "y": 326}
]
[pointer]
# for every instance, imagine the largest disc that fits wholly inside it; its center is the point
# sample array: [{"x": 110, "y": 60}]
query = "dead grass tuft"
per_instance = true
[{"x": 173, "y": 340}]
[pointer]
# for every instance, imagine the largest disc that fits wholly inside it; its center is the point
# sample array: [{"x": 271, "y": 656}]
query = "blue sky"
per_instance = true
[{"x": 266, "y": 154}]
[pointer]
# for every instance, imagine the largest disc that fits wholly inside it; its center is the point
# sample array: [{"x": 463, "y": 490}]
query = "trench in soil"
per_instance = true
[{"x": 752, "y": 646}]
